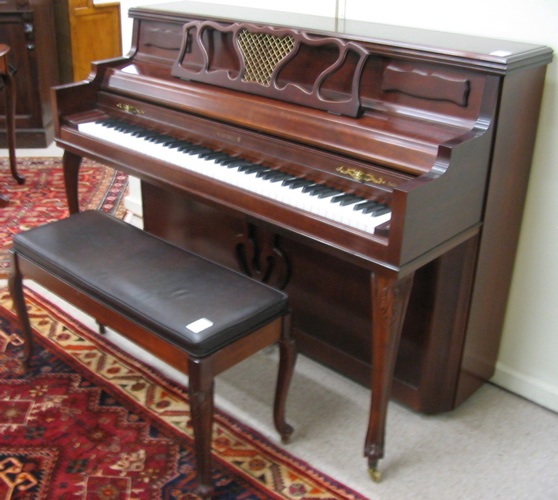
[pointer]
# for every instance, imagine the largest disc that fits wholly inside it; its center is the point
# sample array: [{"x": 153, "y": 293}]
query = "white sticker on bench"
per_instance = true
[{"x": 199, "y": 325}]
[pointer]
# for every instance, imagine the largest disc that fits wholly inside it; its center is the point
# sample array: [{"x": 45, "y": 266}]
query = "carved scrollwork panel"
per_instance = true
[
  {"x": 260, "y": 257},
  {"x": 282, "y": 63}
]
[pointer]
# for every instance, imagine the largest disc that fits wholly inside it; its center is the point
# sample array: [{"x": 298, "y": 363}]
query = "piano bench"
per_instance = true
[{"x": 196, "y": 315}]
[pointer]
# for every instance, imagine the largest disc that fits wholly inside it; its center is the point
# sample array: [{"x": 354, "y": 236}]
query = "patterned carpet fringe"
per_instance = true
[{"x": 125, "y": 428}]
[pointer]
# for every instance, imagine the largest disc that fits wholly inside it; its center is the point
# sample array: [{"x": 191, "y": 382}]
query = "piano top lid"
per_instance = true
[{"x": 493, "y": 55}]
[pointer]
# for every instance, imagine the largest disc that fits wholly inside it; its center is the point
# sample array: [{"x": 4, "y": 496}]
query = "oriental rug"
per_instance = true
[
  {"x": 42, "y": 198},
  {"x": 87, "y": 421}
]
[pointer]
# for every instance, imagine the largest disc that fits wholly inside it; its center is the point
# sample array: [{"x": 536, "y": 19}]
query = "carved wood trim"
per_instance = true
[
  {"x": 433, "y": 86},
  {"x": 259, "y": 256},
  {"x": 285, "y": 64}
]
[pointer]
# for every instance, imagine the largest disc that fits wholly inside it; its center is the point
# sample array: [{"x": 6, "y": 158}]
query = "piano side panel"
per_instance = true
[
  {"x": 75, "y": 97},
  {"x": 332, "y": 322},
  {"x": 330, "y": 300},
  {"x": 451, "y": 197},
  {"x": 514, "y": 143}
]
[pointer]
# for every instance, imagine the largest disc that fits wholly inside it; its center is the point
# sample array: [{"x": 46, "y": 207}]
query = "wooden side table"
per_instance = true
[{"x": 10, "y": 100}]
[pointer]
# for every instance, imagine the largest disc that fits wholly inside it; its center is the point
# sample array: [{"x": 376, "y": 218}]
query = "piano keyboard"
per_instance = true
[{"x": 316, "y": 198}]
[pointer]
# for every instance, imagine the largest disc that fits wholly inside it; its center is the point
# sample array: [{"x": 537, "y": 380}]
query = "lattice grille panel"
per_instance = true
[{"x": 262, "y": 52}]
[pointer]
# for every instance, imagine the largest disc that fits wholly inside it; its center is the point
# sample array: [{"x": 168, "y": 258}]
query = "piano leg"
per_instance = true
[
  {"x": 71, "y": 163},
  {"x": 389, "y": 304},
  {"x": 10, "y": 106}
]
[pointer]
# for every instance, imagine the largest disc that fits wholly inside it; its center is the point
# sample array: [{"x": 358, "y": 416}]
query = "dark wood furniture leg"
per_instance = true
[
  {"x": 202, "y": 372},
  {"x": 390, "y": 297},
  {"x": 287, "y": 359},
  {"x": 15, "y": 285},
  {"x": 10, "y": 100},
  {"x": 201, "y": 390},
  {"x": 71, "y": 164}
]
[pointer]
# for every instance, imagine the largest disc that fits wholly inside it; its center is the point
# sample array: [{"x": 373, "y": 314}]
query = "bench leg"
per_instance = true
[
  {"x": 287, "y": 358},
  {"x": 15, "y": 284},
  {"x": 201, "y": 388}
]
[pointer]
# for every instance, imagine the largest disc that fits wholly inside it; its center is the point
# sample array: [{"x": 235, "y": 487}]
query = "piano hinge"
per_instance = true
[
  {"x": 130, "y": 109},
  {"x": 361, "y": 176}
]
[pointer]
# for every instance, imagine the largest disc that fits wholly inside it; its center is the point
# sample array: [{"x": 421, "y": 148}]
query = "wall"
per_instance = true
[{"x": 528, "y": 360}]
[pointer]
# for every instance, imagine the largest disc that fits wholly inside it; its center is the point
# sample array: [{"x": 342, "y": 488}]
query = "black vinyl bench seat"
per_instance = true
[{"x": 194, "y": 314}]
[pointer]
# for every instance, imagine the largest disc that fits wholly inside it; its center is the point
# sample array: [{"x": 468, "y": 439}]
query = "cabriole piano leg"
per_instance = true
[
  {"x": 71, "y": 163},
  {"x": 389, "y": 304}
]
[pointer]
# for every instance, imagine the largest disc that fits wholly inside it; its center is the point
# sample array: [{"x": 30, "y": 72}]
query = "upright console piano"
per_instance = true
[{"x": 375, "y": 173}]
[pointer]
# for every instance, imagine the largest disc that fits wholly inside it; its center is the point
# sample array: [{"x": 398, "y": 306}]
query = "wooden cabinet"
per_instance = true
[
  {"x": 86, "y": 32},
  {"x": 51, "y": 42},
  {"x": 27, "y": 26}
]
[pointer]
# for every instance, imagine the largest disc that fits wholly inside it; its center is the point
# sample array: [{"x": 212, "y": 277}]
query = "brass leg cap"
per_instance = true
[{"x": 375, "y": 474}]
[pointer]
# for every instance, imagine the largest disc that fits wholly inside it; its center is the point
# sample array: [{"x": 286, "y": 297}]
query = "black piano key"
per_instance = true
[
  {"x": 200, "y": 151},
  {"x": 297, "y": 182},
  {"x": 374, "y": 208},
  {"x": 329, "y": 193},
  {"x": 267, "y": 174},
  {"x": 314, "y": 188},
  {"x": 228, "y": 160},
  {"x": 215, "y": 156},
  {"x": 109, "y": 123},
  {"x": 118, "y": 125},
  {"x": 302, "y": 185},
  {"x": 288, "y": 182},
  {"x": 246, "y": 166},
  {"x": 256, "y": 169},
  {"x": 105, "y": 122},
  {"x": 277, "y": 176},
  {"x": 346, "y": 199},
  {"x": 124, "y": 125},
  {"x": 367, "y": 205},
  {"x": 179, "y": 144},
  {"x": 271, "y": 174},
  {"x": 238, "y": 163},
  {"x": 383, "y": 209},
  {"x": 158, "y": 138},
  {"x": 188, "y": 147},
  {"x": 321, "y": 189},
  {"x": 143, "y": 134},
  {"x": 172, "y": 142},
  {"x": 340, "y": 197},
  {"x": 351, "y": 200}
]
